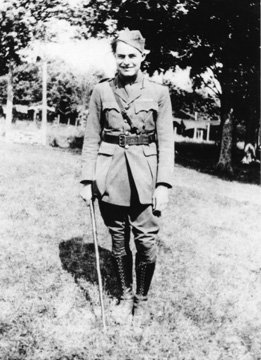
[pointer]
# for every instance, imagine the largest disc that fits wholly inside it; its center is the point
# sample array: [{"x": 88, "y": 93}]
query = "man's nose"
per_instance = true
[{"x": 126, "y": 60}]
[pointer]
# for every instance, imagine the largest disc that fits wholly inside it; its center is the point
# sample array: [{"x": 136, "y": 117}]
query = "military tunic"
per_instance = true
[{"x": 117, "y": 170}]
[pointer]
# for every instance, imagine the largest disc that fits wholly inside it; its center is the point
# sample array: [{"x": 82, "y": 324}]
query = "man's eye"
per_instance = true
[{"x": 132, "y": 56}]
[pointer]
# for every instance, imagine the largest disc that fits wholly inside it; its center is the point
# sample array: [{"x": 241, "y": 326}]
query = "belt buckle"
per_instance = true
[{"x": 122, "y": 140}]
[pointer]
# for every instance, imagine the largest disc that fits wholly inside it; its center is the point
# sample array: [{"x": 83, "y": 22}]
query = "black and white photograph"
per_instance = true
[{"x": 130, "y": 194}]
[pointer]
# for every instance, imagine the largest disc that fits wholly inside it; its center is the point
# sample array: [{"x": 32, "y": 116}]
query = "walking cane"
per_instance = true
[{"x": 95, "y": 240}]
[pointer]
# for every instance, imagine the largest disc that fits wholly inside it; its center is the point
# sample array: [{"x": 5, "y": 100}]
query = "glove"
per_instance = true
[
  {"x": 160, "y": 199},
  {"x": 86, "y": 193}
]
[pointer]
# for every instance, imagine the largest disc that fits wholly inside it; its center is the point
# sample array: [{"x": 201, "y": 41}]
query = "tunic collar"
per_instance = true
[{"x": 134, "y": 90}]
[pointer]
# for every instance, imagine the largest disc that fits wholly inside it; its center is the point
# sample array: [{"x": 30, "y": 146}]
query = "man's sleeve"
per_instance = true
[
  {"x": 92, "y": 138},
  {"x": 165, "y": 136}
]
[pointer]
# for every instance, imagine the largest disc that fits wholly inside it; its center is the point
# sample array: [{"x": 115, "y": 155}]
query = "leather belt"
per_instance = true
[{"x": 126, "y": 140}]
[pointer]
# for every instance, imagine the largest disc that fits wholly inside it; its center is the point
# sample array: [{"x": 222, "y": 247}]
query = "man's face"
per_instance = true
[{"x": 128, "y": 59}]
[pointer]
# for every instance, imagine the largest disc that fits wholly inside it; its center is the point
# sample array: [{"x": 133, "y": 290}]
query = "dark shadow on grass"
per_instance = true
[
  {"x": 78, "y": 258},
  {"x": 203, "y": 157}
]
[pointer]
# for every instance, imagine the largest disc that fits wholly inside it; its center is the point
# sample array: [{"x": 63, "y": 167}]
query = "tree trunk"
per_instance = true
[
  {"x": 251, "y": 139},
  {"x": 251, "y": 129},
  {"x": 252, "y": 116},
  {"x": 9, "y": 102},
  {"x": 224, "y": 165},
  {"x": 227, "y": 101}
]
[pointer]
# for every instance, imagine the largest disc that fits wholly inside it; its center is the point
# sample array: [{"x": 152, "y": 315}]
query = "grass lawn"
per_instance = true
[{"x": 206, "y": 294}]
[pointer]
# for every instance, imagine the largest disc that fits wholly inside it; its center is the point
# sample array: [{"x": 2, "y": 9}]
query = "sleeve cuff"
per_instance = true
[
  {"x": 164, "y": 184},
  {"x": 86, "y": 182}
]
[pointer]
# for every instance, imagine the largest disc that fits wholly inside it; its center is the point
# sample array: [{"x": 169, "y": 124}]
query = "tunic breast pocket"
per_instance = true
[
  {"x": 146, "y": 110},
  {"x": 145, "y": 106},
  {"x": 112, "y": 115}
]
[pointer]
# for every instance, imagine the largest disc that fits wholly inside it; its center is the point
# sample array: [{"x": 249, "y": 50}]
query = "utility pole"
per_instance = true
[
  {"x": 44, "y": 88},
  {"x": 44, "y": 101},
  {"x": 9, "y": 103}
]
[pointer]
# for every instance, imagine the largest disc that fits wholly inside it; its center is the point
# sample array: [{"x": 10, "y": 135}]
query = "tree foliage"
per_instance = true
[
  {"x": 220, "y": 35},
  {"x": 20, "y": 22},
  {"x": 14, "y": 33},
  {"x": 68, "y": 92},
  {"x": 27, "y": 84},
  {"x": 190, "y": 102},
  {"x": 201, "y": 33}
]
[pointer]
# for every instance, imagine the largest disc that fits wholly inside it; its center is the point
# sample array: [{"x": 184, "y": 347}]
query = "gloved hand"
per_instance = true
[
  {"x": 86, "y": 193},
  {"x": 160, "y": 199}
]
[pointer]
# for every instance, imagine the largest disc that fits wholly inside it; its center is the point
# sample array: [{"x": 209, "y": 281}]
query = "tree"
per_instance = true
[
  {"x": 27, "y": 84},
  {"x": 14, "y": 35},
  {"x": 220, "y": 35},
  {"x": 68, "y": 91},
  {"x": 227, "y": 33},
  {"x": 20, "y": 22}
]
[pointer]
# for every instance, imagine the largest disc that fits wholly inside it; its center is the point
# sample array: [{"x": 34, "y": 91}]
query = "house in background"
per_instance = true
[{"x": 195, "y": 127}]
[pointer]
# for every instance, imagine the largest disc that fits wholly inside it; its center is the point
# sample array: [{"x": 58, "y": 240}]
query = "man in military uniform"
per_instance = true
[{"x": 128, "y": 158}]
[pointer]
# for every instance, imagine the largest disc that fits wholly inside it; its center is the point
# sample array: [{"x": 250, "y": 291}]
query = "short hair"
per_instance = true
[{"x": 114, "y": 46}]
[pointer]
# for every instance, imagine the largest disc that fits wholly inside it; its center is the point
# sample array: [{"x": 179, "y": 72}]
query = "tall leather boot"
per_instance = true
[
  {"x": 122, "y": 313},
  {"x": 144, "y": 275}
]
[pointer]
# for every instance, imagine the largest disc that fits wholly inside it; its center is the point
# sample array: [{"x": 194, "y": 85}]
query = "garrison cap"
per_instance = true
[{"x": 132, "y": 38}]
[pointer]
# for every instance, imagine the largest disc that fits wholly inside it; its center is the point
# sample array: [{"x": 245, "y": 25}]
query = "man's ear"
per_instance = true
[{"x": 144, "y": 54}]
